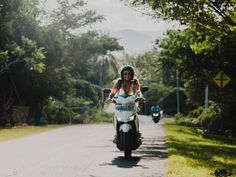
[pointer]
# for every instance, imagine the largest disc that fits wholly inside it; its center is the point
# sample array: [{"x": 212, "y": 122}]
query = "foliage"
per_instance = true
[
  {"x": 157, "y": 94},
  {"x": 201, "y": 50},
  {"x": 89, "y": 52},
  {"x": 198, "y": 66},
  {"x": 70, "y": 18},
  {"x": 217, "y": 16},
  {"x": 180, "y": 119},
  {"x": 196, "y": 112},
  {"x": 179, "y": 116},
  {"x": 43, "y": 54},
  {"x": 209, "y": 117},
  {"x": 26, "y": 53},
  {"x": 56, "y": 112},
  {"x": 100, "y": 116},
  {"x": 223, "y": 172},
  {"x": 88, "y": 91},
  {"x": 148, "y": 66},
  {"x": 196, "y": 155}
]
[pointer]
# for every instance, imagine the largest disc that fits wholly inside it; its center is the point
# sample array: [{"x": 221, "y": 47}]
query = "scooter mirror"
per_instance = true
[
  {"x": 107, "y": 90},
  {"x": 144, "y": 89}
]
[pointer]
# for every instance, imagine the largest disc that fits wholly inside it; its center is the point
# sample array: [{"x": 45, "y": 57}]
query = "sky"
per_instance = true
[{"x": 120, "y": 17}]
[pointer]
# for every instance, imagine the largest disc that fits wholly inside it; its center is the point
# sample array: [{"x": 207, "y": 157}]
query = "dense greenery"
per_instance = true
[
  {"x": 204, "y": 48},
  {"x": 53, "y": 67},
  {"x": 47, "y": 61}
]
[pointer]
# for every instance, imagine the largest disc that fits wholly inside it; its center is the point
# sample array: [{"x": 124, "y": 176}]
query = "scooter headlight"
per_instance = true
[
  {"x": 127, "y": 119},
  {"x": 132, "y": 117}
]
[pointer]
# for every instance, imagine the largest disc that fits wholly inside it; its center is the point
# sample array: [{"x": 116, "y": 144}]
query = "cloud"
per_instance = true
[{"x": 118, "y": 16}]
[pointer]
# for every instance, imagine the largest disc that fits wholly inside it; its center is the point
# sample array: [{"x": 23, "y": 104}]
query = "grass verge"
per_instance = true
[
  {"x": 192, "y": 155},
  {"x": 21, "y": 131}
]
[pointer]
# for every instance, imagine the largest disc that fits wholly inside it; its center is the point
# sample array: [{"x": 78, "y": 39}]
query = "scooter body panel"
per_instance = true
[
  {"x": 126, "y": 123},
  {"x": 156, "y": 116}
]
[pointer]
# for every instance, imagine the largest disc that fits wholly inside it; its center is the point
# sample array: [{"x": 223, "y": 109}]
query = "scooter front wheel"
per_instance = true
[{"x": 127, "y": 153}]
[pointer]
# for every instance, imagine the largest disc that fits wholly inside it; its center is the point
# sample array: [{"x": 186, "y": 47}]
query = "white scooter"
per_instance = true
[{"x": 126, "y": 122}]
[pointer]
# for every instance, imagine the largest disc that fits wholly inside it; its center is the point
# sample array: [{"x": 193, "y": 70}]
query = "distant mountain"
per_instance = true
[{"x": 136, "y": 42}]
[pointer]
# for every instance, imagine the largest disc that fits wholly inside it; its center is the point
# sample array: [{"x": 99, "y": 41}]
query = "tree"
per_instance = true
[
  {"x": 87, "y": 50},
  {"x": 41, "y": 60},
  {"x": 217, "y": 16},
  {"x": 71, "y": 18},
  {"x": 205, "y": 45},
  {"x": 20, "y": 54}
]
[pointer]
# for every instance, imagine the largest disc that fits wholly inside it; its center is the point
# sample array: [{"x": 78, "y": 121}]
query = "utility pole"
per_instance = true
[
  {"x": 101, "y": 82},
  {"x": 206, "y": 97},
  {"x": 177, "y": 85}
]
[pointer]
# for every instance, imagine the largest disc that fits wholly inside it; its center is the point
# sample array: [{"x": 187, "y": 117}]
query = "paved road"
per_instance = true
[{"x": 84, "y": 151}]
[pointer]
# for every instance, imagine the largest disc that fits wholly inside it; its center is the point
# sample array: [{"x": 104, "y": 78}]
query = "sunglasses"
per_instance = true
[{"x": 127, "y": 73}]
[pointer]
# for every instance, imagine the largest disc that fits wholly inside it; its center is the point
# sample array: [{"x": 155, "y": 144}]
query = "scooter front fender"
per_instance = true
[{"x": 125, "y": 127}]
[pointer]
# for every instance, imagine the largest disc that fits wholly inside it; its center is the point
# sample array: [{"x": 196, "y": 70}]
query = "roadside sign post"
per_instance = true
[{"x": 221, "y": 80}]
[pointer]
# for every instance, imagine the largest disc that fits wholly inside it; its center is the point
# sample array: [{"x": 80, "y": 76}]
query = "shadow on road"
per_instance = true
[
  {"x": 121, "y": 162},
  {"x": 153, "y": 148}
]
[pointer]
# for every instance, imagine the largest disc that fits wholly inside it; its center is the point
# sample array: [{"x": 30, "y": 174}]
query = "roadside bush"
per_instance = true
[
  {"x": 5, "y": 119},
  {"x": 209, "y": 117},
  {"x": 100, "y": 116},
  {"x": 56, "y": 112},
  {"x": 196, "y": 112},
  {"x": 179, "y": 116},
  {"x": 182, "y": 120},
  {"x": 88, "y": 91}
]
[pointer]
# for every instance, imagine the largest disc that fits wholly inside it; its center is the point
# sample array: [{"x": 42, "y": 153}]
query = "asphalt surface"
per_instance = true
[{"x": 84, "y": 151}]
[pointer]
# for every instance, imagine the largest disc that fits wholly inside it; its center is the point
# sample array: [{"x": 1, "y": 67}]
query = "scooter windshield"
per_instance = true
[
  {"x": 156, "y": 111},
  {"x": 128, "y": 107}
]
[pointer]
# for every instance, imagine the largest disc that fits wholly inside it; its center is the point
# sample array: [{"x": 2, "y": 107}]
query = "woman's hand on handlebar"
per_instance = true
[
  {"x": 141, "y": 100},
  {"x": 108, "y": 100}
]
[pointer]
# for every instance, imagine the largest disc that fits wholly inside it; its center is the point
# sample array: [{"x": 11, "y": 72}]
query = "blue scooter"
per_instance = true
[{"x": 156, "y": 114}]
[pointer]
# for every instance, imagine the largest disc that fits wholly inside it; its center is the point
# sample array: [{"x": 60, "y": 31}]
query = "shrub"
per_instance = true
[
  {"x": 179, "y": 116},
  {"x": 182, "y": 120},
  {"x": 56, "y": 112},
  {"x": 210, "y": 116},
  {"x": 196, "y": 112},
  {"x": 101, "y": 116}
]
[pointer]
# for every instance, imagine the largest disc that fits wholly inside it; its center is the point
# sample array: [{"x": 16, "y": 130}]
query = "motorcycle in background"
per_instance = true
[{"x": 156, "y": 114}]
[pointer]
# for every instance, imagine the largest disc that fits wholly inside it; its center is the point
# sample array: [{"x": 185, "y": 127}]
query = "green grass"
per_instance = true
[
  {"x": 17, "y": 132},
  {"x": 191, "y": 155}
]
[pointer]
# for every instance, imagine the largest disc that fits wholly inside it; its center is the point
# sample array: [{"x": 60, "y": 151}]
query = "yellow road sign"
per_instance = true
[{"x": 221, "y": 79}]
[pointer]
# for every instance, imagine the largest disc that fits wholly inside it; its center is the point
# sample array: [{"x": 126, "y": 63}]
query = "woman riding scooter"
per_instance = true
[{"x": 126, "y": 84}]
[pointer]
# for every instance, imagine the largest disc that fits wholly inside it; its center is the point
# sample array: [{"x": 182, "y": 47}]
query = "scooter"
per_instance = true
[
  {"x": 156, "y": 115},
  {"x": 126, "y": 123}
]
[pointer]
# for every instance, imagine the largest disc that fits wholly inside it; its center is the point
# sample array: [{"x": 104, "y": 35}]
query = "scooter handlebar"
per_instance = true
[{"x": 134, "y": 99}]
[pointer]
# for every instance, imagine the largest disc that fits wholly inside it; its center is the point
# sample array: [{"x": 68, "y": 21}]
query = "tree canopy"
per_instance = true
[
  {"x": 199, "y": 52},
  {"x": 214, "y": 15},
  {"x": 46, "y": 56}
]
